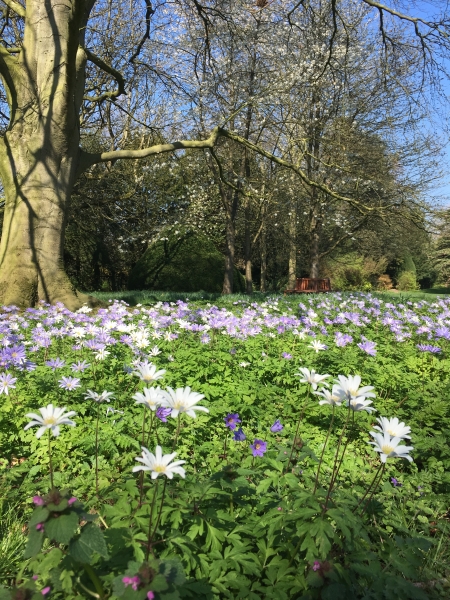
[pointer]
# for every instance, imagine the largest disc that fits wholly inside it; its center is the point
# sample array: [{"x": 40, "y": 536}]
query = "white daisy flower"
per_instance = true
[
  {"x": 348, "y": 388},
  {"x": 154, "y": 351},
  {"x": 393, "y": 427},
  {"x": 330, "y": 398},
  {"x": 389, "y": 447},
  {"x": 148, "y": 372},
  {"x": 317, "y": 345},
  {"x": 103, "y": 397},
  {"x": 151, "y": 397},
  {"x": 311, "y": 377},
  {"x": 159, "y": 464},
  {"x": 51, "y": 418},
  {"x": 182, "y": 400}
]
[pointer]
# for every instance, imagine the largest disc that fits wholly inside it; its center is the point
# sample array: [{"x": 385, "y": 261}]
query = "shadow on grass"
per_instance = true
[{"x": 149, "y": 297}]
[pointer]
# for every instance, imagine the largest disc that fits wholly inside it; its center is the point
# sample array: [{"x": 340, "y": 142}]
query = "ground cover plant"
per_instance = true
[{"x": 286, "y": 448}]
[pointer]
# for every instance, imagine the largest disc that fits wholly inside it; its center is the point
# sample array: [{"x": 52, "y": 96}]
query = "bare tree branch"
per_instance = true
[
  {"x": 101, "y": 64},
  {"x": 149, "y": 12},
  {"x": 87, "y": 159},
  {"x": 360, "y": 207},
  {"x": 16, "y": 7}
]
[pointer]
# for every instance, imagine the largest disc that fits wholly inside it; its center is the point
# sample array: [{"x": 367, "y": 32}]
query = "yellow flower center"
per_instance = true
[
  {"x": 387, "y": 448},
  {"x": 391, "y": 432},
  {"x": 159, "y": 468},
  {"x": 50, "y": 421}
]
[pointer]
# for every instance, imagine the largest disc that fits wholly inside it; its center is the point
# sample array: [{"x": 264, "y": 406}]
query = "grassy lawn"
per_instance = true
[{"x": 133, "y": 297}]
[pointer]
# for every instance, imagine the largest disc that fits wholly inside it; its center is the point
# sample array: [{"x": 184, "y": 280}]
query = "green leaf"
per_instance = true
[
  {"x": 62, "y": 529},
  {"x": 40, "y": 514},
  {"x": 91, "y": 540},
  {"x": 34, "y": 544}
]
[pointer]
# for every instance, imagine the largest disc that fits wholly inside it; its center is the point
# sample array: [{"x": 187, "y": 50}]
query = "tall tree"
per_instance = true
[{"x": 55, "y": 82}]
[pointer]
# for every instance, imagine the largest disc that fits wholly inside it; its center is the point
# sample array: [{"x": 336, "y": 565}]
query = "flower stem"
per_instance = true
[
  {"x": 373, "y": 491},
  {"x": 96, "y": 449},
  {"x": 177, "y": 432},
  {"x": 150, "y": 429},
  {"x": 160, "y": 508},
  {"x": 323, "y": 452},
  {"x": 368, "y": 489},
  {"x": 50, "y": 461},
  {"x": 297, "y": 428},
  {"x": 141, "y": 478},
  {"x": 333, "y": 478},
  {"x": 150, "y": 520}
]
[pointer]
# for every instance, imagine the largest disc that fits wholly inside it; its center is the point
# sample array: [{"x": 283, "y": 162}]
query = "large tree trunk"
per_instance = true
[
  {"x": 229, "y": 257},
  {"x": 248, "y": 249},
  {"x": 314, "y": 256},
  {"x": 263, "y": 245},
  {"x": 39, "y": 156},
  {"x": 292, "y": 232}
]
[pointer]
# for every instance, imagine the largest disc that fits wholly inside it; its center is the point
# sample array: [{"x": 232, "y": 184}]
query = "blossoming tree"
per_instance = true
[{"x": 49, "y": 73}]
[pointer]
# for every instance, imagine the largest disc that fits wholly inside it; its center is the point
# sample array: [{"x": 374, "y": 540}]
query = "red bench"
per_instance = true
[{"x": 309, "y": 285}]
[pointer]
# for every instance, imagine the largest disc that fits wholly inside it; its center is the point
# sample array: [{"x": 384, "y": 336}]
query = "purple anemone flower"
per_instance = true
[
  {"x": 55, "y": 363},
  {"x": 259, "y": 447},
  {"x": 239, "y": 435},
  {"x": 395, "y": 482},
  {"x": 80, "y": 366},
  {"x": 277, "y": 426},
  {"x": 231, "y": 420},
  {"x": 69, "y": 383},
  {"x": 162, "y": 413},
  {"x": 286, "y": 355},
  {"x": 368, "y": 347},
  {"x": 429, "y": 348}
]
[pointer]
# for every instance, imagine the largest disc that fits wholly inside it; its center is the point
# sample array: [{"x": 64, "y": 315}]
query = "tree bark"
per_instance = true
[
  {"x": 314, "y": 264},
  {"x": 228, "y": 279},
  {"x": 248, "y": 249},
  {"x": 39, "y": 155},
  {"x": 263, "y": 246},
  {"x": 292, "y": 232}
]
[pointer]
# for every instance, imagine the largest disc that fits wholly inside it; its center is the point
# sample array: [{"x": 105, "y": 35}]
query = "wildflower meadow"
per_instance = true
[{"x": 290, "y": 448}]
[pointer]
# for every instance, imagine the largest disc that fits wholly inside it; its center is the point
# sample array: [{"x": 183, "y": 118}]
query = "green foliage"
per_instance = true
[
  {"x": 354, "y": 272},
  {"x": 185, "y": 261},
  {"x": 237, "y": 526},
  {"x": 407, "y": 281}
]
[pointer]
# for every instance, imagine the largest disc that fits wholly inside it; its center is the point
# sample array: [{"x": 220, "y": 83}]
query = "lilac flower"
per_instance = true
[
  {"x": 69, "y": 383},
  {"x": 6, "y": 381},
  {"x": 428, "y": 348},
  {"x": 55, "y": 363},
  {"x": 133, "y": 581},
  {"x": 205, "y": 339},
  {"x": 17, "y": 354},
  {"x": 342, "y": 339},
  {"x": 277, "y": 426},
  {"x": 80, "y": 366},
  {"x": 368, "y": 347},
  {"x": 259, "y": 447},
  {"x": 231, "y": 420},
  {"x": 162, "y": 413},
  {"x": 395, "y": 482},
  {"x": 239, "y": 435},
  {"x": 286, "y": 355}
]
